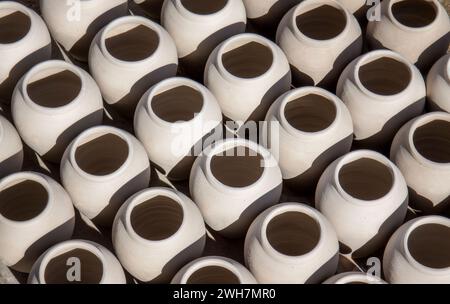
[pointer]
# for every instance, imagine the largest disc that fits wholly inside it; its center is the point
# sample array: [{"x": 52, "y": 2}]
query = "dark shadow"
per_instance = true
[
  {"x": 32, "y": 162},
  {"x": 433, "y": 106},
  {"x": 346, "y": 265},
  {"x": 217, "y": 245},
  {"x": 11, "y": 165},
  {"x": 114, "y": 119},
  {"x": 425, "y": 205},
  {"x": 325, "y": 271},
  {"x": 149, "y": 8}
]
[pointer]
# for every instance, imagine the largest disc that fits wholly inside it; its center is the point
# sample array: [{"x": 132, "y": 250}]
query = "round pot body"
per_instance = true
[
  {"x": 173, "y": 120},
  {"x": 421, "y": 150},
  {"x": 24, "y": 42},
  {"x": 127, "y": 57},
  {"x": 419, "y": 252},
  {"x": 419, "y": 30},
  {"x": 206, "y": 23},
  {"x": 363, "y": 189},
  {"x": 35, "y": 213},
  {"x": 357, "y": 7},
  {"x": 308, "y": 128},
  {"x": 74, "y": 25},
  {"x": 318, "y": 54},
  {"x": 53, "y": 103},
  {"x": 247, "y": 73},
  {"x": 354, "y": 278},
  {"x": 382, "y": 91},
  {"x": 11, "y": 152},
  {"x": 232, "y": 182},
  {"x": 156, "y": 232},
  {"x": 291, "y": 243},
  {"x": 77, "y": 262},
  {"x": 101, "y": 169},
  {"x": 214, "y": 270},
  {"x": 438, "y": 85},
  {"x": 149, "y": 8}
]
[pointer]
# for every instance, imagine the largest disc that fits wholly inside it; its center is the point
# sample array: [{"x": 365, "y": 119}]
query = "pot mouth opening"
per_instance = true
[
  {"x": 14, "y": 24},
  {"x": 213, "y": 274},
  {"x": 432, "y": 141},
  {"x": 414, "y": 13},
  {"x": 204, "y": 7}
]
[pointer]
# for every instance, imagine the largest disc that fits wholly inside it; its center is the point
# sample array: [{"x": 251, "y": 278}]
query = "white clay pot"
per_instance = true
[
  {"x": 150, "y": 8},
  {"x": 11, "y": 151},
  {"x": 291, "y": 243},
  {"x": 319, "y": 38},
  {"x": 214, "y": 270},
  {"x": 363, "y": 189},
  {"x": 382, "y": 85},
  {"x": 101, "y": 169},
  {"x": 74, "y": 25},
  {"x": 419, "y": 252},
  {"x": 156, "y": 232},
  {"x": 357, "y": 7},
  {"x": 53, "y": 103},
  {"x": 233, "y": 181},
  {"x": 438, "y": 85},
  {"x": 348, "y": 278},
  {"x": 308, "y": 128},
  {"x": 421, "y": 150},
  {"x": 419, "y": 30},
  {"x": 247, "y": 73},
  {"x": 127, "y": 57},
  {"x": 172, "y": 120},
  {"x": 35, "y": 213},
  {"x": 24, "y": 42}
]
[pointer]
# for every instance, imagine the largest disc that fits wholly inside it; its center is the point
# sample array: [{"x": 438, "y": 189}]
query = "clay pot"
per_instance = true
[
  {"x": 354, "y": 278},
  {"x": 35, "y": 213},
  {"x": 358, "y": 8},
  {"x": 417, "y": 29},
  {"x": 438, "y": 85},
  {"x": 24, "y": 42},
  {"x": 127, "y": 57},
  {"x": 173, "y": 120},
  {"x": 421, "y": 150},
  {"x": 214, "y": 270},
  {"x": 419, "y": 252},
  {"x": 207, "y": 23},
  {"x": 53, "y": 103},
  {"x": 362, "y": 189},
  {"x": 241, "y": 178},
  {"x": 308, "y": 128},
  {"x": 11, "y": 152},
  {"x": 319, "y": 38},
  {"x": 101, "y": 169},
  {"x": 149, "y": 8},
  {"x": 291, "y": 243},
  {"x": 74, "y": 25},
  {"x": 382, "y": 85},
  {"x": 156, "y": 232},
  {"x": 77, "y": 262}
]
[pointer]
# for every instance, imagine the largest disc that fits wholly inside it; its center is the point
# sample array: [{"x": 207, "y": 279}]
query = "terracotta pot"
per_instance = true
[
  {"x": 53, "y": 103},
  {"x": 419, "y": 252},
  {"x": 101, "y": 169},
  {"x": 438, "y": 85},
  {"x": 156, "y": 232},
  {"x": 354, "y": 278},
  {"x": 363, "y": 189},
  {"x": 173, "y": 120},
  {"x": 11, "y": 152},
  {"x": 74, "y": 25},
  {"x": 149, "y": 8},
  {"x": 77, "y": 262},
  {"x": 291, "y": 243},
  {"x": 35, "y": 213},
  {"x": 241, "y": 178},
  {"x": 319, "y": 38},
  {"x": 421, "y": 150},
  {"x": 383, "y": 92},
  {"x": 24, "y": 42}
]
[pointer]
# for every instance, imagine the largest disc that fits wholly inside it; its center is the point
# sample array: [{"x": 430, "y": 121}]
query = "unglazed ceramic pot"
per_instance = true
[
  {"x": 419, "y": 252},
  {"x": 101, "y": 169},
  {"x": 357, "y": 7},
  {"x": 24, "y": 42},
  {"x": 127, "y": 57},
  {"x": 421, "y": 150},
  {"x": 308, "y": 128},
  {"x": 438, "y": 85},
  {"x": 365, "y": 197},
  {"x": 156, "y": 232},
  {"x": 11, "y": 151},
  {"x": 35, "y": 213},
  {"x": 319, "y": 38},
  {"x": 417, "y": 29},
  {"x": 383, "y": 91},
  {"x": 199, "y": 26},
  {"x": 74, "y": 25},
  {"x": 173, "y": 120},
  {"x": 53, "y": 103},
  {"x": 247, "y": 73},
  {"x": 214, "y": 270},
  {"x": 233, "y": 181},
  {"x": 354, "y": 278},
  {"x": 60, "y": 263},
  {"x": 291, "y": 243},
  {"x": 149, "y": 8}
]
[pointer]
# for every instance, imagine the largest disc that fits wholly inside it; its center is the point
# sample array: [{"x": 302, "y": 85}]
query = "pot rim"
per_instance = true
[
  {"x": 362, "y": 277},
  {"x": 185, "y": 12},
  {"x": 204, "y": 262},
  {"x": 23, "y": 9},
  {"x": 436, "y": 7}
]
